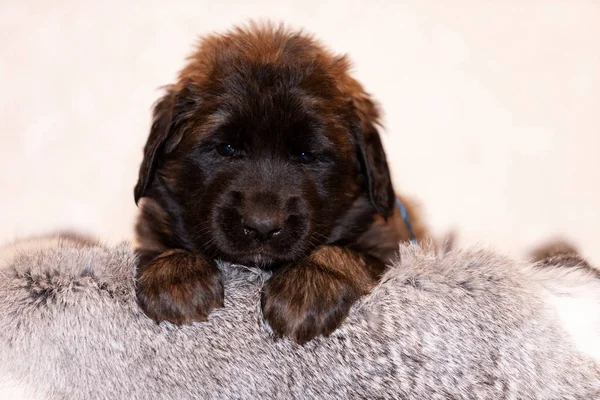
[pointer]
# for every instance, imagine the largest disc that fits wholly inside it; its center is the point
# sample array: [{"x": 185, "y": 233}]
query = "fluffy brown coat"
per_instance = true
[{"x": 266, "y": 152}]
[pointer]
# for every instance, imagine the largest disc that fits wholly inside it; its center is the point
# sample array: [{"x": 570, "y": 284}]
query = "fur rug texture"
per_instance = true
[{"x": 469, "y": 324}]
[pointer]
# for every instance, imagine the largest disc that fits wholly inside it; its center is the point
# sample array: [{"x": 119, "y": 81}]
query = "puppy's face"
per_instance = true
[{"x": 257, "y": 156}]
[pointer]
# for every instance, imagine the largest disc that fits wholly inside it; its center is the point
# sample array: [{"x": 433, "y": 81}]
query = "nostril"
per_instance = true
[
  {"x": 274, "y": 232},
  {"x": 253, "y": 232},
  {"x": 260, "y": 226}
]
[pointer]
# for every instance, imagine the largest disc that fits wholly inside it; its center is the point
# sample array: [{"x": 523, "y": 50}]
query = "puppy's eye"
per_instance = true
[
  {"x": 225, "y": 149},
  {"x": 306, "y": 158}
]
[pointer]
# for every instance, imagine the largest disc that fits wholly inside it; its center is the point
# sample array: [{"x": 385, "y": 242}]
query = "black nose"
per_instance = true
[{"x": 262, "y": 226}]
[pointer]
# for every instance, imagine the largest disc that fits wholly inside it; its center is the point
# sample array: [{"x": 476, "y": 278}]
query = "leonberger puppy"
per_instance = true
[{"x": 266, "y": 152}]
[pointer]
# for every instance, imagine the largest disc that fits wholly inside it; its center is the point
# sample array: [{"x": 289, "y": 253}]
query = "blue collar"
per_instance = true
[{"x": 406, "y": 219}]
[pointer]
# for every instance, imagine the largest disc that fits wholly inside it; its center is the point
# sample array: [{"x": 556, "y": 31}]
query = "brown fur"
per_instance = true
[
  {"x": 561, "y": 253},
  {"x": 305, "y": 192},
  {"x": 180, "y": 284},
  {"x": 312, "y": 296}
]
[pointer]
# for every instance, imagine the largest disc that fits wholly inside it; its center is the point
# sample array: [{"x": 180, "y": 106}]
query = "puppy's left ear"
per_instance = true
[
  {"x": 371, "y": 153},
  {"x": 166, "y": 132}
]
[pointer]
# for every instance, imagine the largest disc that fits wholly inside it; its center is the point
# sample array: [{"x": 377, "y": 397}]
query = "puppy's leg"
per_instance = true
[
  {"x": 179, "y": 286},
  {"x": 561, "y": 254},
  {"x": 312, "y": 297},
  {"x": 570, "y": 286}
]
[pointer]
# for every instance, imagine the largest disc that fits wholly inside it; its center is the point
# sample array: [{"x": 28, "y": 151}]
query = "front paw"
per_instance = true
[
  {"x": 179, "y": 287},
  {"x": 310, "y": 298}
]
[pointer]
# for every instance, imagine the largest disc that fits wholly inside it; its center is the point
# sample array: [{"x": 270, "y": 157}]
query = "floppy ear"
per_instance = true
[
  {"x": 372, "y": 156},
  {"x": 159, "y": 133},
  {"x": 166, "y": 132}
]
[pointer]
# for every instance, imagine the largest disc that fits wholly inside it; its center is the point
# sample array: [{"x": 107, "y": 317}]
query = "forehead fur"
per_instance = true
[{"x": 294, "y": 55}]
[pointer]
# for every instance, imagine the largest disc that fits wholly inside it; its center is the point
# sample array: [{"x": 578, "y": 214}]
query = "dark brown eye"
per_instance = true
[
  {"x": 306, "y": 158},
  {"x": 225, "y": 149}
]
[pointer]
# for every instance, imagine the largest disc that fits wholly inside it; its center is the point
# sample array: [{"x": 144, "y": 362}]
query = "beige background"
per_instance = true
[{"x": 492, "y": 108}]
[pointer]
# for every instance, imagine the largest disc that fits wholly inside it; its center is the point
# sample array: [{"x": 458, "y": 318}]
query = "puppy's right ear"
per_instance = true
[{"x": 166, "y": 132}]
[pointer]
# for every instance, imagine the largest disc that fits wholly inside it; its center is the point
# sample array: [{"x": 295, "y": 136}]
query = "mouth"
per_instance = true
[
  {"x": 266, "y": 256},
  {"x": 259, "y": 258},
  {"x": 263, "y": 261}
]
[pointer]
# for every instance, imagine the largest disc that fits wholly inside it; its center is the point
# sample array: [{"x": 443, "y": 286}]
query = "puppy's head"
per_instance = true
[{"x": 262, "y": 150}]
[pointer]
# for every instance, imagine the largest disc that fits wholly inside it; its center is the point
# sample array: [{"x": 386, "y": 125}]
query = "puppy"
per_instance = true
[{"x": 265, "y": 152}]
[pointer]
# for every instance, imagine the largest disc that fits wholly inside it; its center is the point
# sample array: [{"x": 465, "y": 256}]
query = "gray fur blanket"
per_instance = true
[{"x": 468, "y": 325}]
